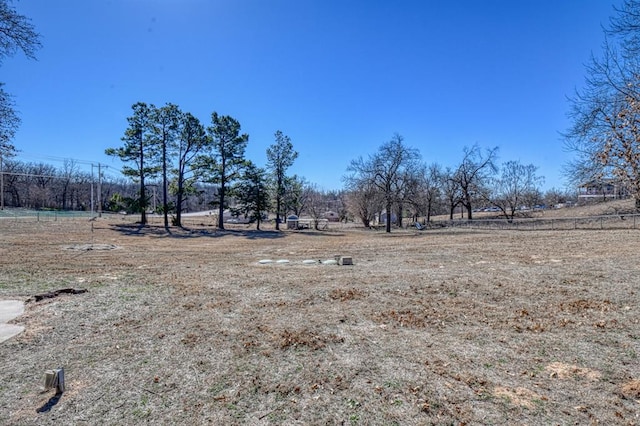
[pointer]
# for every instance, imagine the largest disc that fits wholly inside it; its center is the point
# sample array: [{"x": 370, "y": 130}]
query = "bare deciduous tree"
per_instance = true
[
  {"x": 450, "y": 190},
  {"x": 296, "y": 195},
  {"x": 316, "y": 206},
  {"x": 364, "y": 202},
  {"x": 389, "y": 171},
  {"x": 16, "y": 34},
  {"x": 517, "y": 185},
  {"x": 473, "y": 174},
  {"x": 605, "y": 114}
]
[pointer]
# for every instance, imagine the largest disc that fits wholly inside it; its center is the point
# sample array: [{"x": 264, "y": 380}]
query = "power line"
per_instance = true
[
  {"x": 31, "y": 175},
  {"x": 54, "y": 158},
  {"x": 20, "y": 155}
]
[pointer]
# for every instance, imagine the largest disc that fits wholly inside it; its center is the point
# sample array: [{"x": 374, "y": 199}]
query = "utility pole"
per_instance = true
[
  {"x": 1, "y": 185},
  {"x": 99, "y": 191},
  {"x": 91, "y": 189}
]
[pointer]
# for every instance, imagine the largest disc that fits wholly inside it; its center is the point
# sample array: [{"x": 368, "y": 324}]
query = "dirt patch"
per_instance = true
[
  {"x": 568, "y": 371},
  {"x": 519, "y": 396},
  {"x": 631, "y": 389},
  {"x": 431, "y": 327}
]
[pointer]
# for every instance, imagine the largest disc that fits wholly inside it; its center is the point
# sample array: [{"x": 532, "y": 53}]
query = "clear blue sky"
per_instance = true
[{"x": 340, "y": 77}]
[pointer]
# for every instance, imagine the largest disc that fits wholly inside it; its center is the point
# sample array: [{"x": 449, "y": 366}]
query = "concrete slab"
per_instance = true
[{"x": 10, "y": 309}]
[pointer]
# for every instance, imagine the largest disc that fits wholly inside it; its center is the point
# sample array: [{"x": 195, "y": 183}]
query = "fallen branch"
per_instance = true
[{"x": 56, "y": 293}]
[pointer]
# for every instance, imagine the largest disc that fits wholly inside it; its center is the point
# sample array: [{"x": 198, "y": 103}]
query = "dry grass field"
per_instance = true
[{"x": 437, "y": 327}]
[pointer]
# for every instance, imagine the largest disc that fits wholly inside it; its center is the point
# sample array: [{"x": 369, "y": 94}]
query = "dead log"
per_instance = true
[{"x": 56, "y": 293}]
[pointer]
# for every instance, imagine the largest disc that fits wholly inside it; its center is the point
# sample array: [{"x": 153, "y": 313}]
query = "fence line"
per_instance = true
[
  {"x": 619, "y": 221},
  {"x": 42, "y": 216}
]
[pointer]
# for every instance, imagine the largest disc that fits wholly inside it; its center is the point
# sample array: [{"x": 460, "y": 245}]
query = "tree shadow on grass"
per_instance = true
[
  {"x": 188, "y": 233},
  {"x": 318, "y": 233},
  {"x": 137, "y": 230},
  {"x": 50, "y": 403}
]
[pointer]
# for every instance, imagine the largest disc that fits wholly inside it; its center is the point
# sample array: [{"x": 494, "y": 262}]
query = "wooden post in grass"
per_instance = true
[{"x": 54, "y": 379}]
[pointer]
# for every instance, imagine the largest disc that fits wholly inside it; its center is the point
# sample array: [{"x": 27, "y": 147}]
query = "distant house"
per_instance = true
[
  {"x": 382, "y": 217},
  {"x": 332, "y": 216},
  {"x": 605, "y": 189}
]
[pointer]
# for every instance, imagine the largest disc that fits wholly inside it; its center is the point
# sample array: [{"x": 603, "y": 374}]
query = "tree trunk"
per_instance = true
[
  {"x": 221, "y": 207},
  {"x": 179, "y": 202},
  {"x": 388, "y": 216},
  {"x": 143, "y": 194},
  {"x": 143, "y": 202},
  {"x": 65, "y": 189},
  {"x": 468, "y": 207},
  {"x": 165, "y": 205}
]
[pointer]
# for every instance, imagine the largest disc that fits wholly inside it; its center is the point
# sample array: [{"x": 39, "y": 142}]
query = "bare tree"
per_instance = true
[
  {"x": 389, "y": 171},
  {"x": 341, "y": 206},
  {"x": 431, "y": 181},
  {"x": 296, "y": 195},
  {"x": 9, "y": 123},
  {"x": 473, "y": 174},
  {"x": 605, "y": 114},
  {"x": 450, "y": 190},
  {"x": 41, "y": 177},
  {"x": 67, "y": 175},
  {"x": 555, "y": 196},
  {"x": 16, "y": 34},
  {"x": 424, "y": 191},
  {"x": 11, "y": 174},
  {"x": 364, "y": 202},
  {"x": 517, "y": 185},
  {"x": 316, "y": 206}
]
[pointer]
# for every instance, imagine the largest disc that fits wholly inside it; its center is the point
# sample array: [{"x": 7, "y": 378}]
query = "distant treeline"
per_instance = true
[{"x": 43, "y": 186}]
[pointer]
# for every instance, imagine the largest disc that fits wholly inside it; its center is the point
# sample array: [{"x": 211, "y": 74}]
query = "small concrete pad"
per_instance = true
[{"x": 10, "y": 309}]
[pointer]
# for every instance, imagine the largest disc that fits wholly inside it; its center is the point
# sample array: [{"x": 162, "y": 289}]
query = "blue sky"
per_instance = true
[{"x": 339, "y": 77}]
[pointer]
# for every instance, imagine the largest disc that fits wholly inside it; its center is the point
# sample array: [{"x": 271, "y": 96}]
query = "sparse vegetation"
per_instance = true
[{"x": 435, "y": 327}]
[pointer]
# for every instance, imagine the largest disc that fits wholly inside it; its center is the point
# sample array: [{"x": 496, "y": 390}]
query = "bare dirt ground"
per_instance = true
[{"x": 437, "y": 327}]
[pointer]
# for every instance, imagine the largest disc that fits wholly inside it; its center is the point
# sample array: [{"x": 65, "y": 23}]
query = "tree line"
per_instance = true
[
  {"x": 173, "y": 146},
  {"x": 419, "y": 191},
  {"x": 395, "y": 181},
  {"x": 37, "y": 185},
  {"x": 195, "y": 166}
]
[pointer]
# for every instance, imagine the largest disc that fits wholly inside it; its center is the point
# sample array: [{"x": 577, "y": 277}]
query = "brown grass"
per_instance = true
[{"x": 437, "y": 327}]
